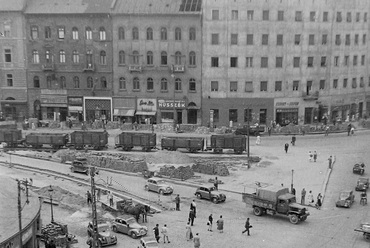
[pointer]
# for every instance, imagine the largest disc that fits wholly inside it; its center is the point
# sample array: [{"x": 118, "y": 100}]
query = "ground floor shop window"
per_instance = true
[
  {"x": 216, "y": 116},
  {"x": 263, "y": 114},
  {"x": 286, "y": 116},
  {"x": 167, "y": 116},
  {"x": 233, "y": 115}
]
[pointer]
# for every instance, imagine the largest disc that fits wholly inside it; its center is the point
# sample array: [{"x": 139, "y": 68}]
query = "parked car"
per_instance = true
[
  {"x": 80, "y": 165},
  {"x": 129, "y": 226},
  {"x": 253, "y": 130},
  {"x": 105, "y": 237},
  {"x": 362, "y": 184},
  {"x": 210, "y": 193},
  {"x": 345, "y": 199},
  {"x": 359, "y": 168},
  {"x": 148, "y": 242},
  {"x": 158, "y": 185}
]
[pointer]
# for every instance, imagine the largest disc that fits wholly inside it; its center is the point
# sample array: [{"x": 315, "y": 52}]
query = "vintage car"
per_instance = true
[
  {"x": 158, "y": 185},
  {"x": 210, "y": 193},
  {"x": 105, "y": 237},
  {"x": 359, "y": 168},
  {"x": 80, "y": 165},
  {"x": 148, "y": 242},
  {"x": 346, "y": 199},
  {"x": 362, "y": 184},
  {"x": 129, "y": 226},
  {"x": 255, "y": 130}
]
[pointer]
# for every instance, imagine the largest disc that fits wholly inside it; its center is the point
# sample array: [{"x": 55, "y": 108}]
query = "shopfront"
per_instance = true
[
  {"x": 75, "y": 108},
  {"x": 171, "y": 110},
  {"x": 97, "y": 108},
  {"x": 54, "y": 105},
  {"x": 146, "y": 111},
  {"x": 286, "y": 113},
  {"x": 124, "y": 109},
  {"x": 13, "y": 109}
]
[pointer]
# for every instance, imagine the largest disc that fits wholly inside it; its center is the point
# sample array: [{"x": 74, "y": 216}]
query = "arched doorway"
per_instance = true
[
  {"x": 37, "y": 109},
  {"x": 192, "y": 113}
]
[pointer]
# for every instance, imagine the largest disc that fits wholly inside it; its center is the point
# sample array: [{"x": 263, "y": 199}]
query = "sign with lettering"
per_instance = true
[
  {"x": 54, "y": 99},
  {"x": 75, "y": 101},
  {"x": 287, "y": 104},
  {"x": 147, "y": 104},
  {"x": 170, "y": 104}
]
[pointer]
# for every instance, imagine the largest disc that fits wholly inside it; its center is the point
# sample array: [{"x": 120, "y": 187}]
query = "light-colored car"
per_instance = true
[
  {"x": 210, "y": 193},
  {"x": 148, "y": 242},
  {"x": 158, "y": 185},
  {"x": 346, "y": 199},
  {"x": 129, "y": 226}
]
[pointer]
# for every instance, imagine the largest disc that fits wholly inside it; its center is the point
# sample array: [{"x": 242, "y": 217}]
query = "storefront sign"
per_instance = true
[
  {"x": 53, "y": 99},
  {"x": 145, "y": 104},
  {"x": 75, "y": 101},
  {"x": 170, "y": 104},
  {"x": 287, "y": 104}
]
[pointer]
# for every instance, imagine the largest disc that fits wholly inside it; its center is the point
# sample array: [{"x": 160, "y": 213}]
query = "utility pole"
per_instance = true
[
  {"x": 19, "y": 213},
  {"x": 248, "y": 130},
  {"x": 93, "y": 206}
]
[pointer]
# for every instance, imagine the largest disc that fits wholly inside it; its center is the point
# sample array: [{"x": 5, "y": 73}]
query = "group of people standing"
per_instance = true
[{"x": 310, "y": 198}]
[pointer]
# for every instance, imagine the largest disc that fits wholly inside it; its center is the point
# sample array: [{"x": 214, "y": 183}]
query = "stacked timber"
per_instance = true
[{"x": 211, "y": 168}]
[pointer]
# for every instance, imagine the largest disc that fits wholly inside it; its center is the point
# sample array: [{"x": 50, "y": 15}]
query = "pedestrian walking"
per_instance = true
[
  {"x": 89, "y": 198},
  {"x": 349, "y": 127},
  {"x": 318, "y": 202},
  {"x": 258, "y": 140},
  {"x": 286, "y": 147},
  {"x": 293, "y": 191},
  {"x": 144, "y": 213},
  {"x": 110, "y": 197},
  {"x": 310, "y": 197},
  {"x": 352, "y": 131},
  {"x": 196, "y": 241},
  {"x": 314, "y": 156},
  {"x": 293, "y": 140},
  {"x": 177, "y": 200},
  {"x": 193, "y": 207},
  {"x": 164, "y": 231},
  {"x": 303, "y": 196},
  {"x": 310, "y": 156},
  {"x": 156, "y": 232},
  {"x": 220, "y": 224},
  {"x": 326, "y": 130},
  {"x": 330, "y": 159},
  {"x": 210, "y": 222},
  {"x": 189, "y": 234},
  {"x": 216, "y": 183},
  {"x": 269, "y": 130},
  {"x": 247, "y": 227},
  {"x": 191, "y": 217}
]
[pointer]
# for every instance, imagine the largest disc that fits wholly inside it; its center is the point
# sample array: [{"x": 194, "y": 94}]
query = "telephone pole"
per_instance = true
[
  {"x": 19, "y": 213},
  {"x": 93, "y": 206}
]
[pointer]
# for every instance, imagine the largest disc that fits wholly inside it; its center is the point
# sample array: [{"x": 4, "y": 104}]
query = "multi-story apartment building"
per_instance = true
[
  {"x": 69, "y": 51},
  {"x": 13, "y": 86},
  {"x": 285, "y": 60},
  {"x": 157, "y": 64}
]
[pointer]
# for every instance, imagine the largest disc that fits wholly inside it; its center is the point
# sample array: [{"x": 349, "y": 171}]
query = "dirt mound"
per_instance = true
[{"x": 61, "y": 195}]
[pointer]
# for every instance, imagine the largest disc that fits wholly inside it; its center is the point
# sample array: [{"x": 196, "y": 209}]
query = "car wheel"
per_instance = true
[
  {"x": 161, "y": 191},
  {"x": 133, "y": 235},
  {"x": 146, "y": 187},
  {"x": 293, "y": 219},
  {"x": 214, "y": 200},
  {"x": 199, "y": 196},
  {"x": 257, "y": 211},
  {"x": 114, "y": 228}
]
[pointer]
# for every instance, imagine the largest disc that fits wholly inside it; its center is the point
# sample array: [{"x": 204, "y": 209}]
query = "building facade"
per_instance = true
[
  {"x": 285, "y": 61},
  {"x": 157, "y": 56}
]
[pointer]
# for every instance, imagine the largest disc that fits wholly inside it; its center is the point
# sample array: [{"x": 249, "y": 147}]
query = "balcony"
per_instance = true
[
  {"x": 135, "y": 68},
  {"x": 311, "y": 97},
  {"x": 89, "y": 67},
  {"x": 48, "y": 67},
  {"x": 178, "y": 68}
]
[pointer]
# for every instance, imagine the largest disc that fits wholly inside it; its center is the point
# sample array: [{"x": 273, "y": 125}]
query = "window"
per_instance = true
[
  {"x": 248, "y": 86},
  {"x": 250, "y": 14},
  {"x": 75, "y": 57},
  {"x": 164, "y": 86},
  {"x": 365, "y": 17},
  {"x": 356, "y": 39},
  {"x": 88, "y": 33},
  {"x": 280, "y": 16},
  {"x": 149, "y": 34},
  {"x": 9, "y": 80},
  {"x": 323, "y": 61},
  {"x": 103, "y": 83},
  {"x": 362, "y": 59},
  {"x": 349, "y": 17},
  {"x": 163, "y": 58},
  {"x": 265, "y": 39},
  {"x": 234, "y": 15},
  {"x": 263, "y": 86},
  {"x": 216, "y": 116},
  {"x": 233, "y": 115},
  {"x": 324, "y": 40},
  {"x": 312, "y": 16},
  {"x": 215, "y": 40},
  {"x": 192, "y": 34},
  {"x": 214, "y": 85},
  {"x": 48, "y": 82},
  {"x": 192, "y": 84},
  {"x": 102, "y": 34},
  {"x": 178, "y": 84},
  {"x": 295, "y": 85},
  {"x": 335, "y": 83},
  {"x": 192, "y": 59},
  {"x": 354, "y": 83},
  {"x": 76, "y": 82},
  {"x": 345, "y": 82},
  {"x": 36, "y": 82},
  {"x": 325, "y": 16},
  {"x": 297, "y": 39},
  {"x": 149, "y": 84},
  {"x": 234, "y": 62},
  {"x": 135, "y": 57},
  {"x": 309, "y": 61},
  {"x": 149, "y": 58},
  {"x": 337, "y": 40},
  {"x": 233, "y": 86},
  {"x": 178, "y": 58},
  {"x": 178, "y": 34},
  {"x": 247, "y": 115},
  {"x": 103, "y": 58},
  {"x": 47, "y": 32},
  {"x": 89, "y": 83},
  {"x": 298, "y": 16},
  {"x": 357, "y": 16},
  {"x": 264, "y": 62},
  {"x": 311, "y": 39},
  {"x": 362, "y": 82},
  {"x": 265, "y": 15},
  {"x": 346, "y": 60},
  {"x": 234, "y": 39},
  {"x": 121, "y": 58},
  {"x": 348, "y": 40},
  {"x": 249, "y": 39},
  {"x": 215, "y": 14},
  {"x": 135, "y": 33},
  {"x": 122, "y": 83},
  {"x": 8, "y": 55},
  {"x": 278, "y": 85},
  {"x": 214, "y": 61},
  {"x": 136, "y": 83},
  {"x": 355, "y": 60},
  {"x": 61, "y": 33},
  {"x": 7, "y": 29},
  {"x": 296, "y": 62},
  {"x": 62, "y": 56},
  {"x": 74, "y": 33},
  {"x": 163, "y": 34},
  {"x": 308, "y": 87},
  {"x": 89, "y": 58},
  {"x": 34, "y": 32},
  {"x": 336, "y": 60},
  {"x": 263, "y": 115},
  {"x": 279, "y": 62},
  {"x": 322, "y": 84},
  {"x": 339, "y": 16},
  {"x": 121, "y": 33},
  {"x": 249, "y": 62},
  {"x": 35, "y": 57},
  {"x": 279, "y": 40},
  {"x": 63, "y": 82},
  {"x": 48, "y": 58},
  {"x": 363, "y": 39}
]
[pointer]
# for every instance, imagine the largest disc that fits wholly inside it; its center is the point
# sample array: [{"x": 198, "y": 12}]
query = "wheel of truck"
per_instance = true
[
  {"x": 257, "y": 211},
  {"x": 114, "y": 229},
  {"x": 304, "y": 218},
  {"x": 199, "y": 196},
  {"x": 293, "y": 219},
  {"x": 214, "y": 200},
  {"x": 133, "y": 235}
]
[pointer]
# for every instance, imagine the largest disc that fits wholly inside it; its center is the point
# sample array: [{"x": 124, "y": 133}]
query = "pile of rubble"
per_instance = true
[
  {"x": 222, "y": 130},
  {"x": 62, "y": 196},
  {"x": 211, "y": 168},
  {"x": 202, "y": 130},
  {"x": 181, "y": 172}
]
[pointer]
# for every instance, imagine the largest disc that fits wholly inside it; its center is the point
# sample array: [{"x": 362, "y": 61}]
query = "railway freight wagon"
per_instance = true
[
  {"x": 95, "y": 139},
  {"x": 235, "y": 142},
  {"x": 55, "y": 140},
  {"x": 128, "y": 140},
  {"x": 192, "y": 144},
  {"x": 12, "y": 137}
]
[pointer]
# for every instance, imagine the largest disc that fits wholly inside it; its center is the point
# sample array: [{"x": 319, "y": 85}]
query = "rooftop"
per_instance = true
[
  {"x": 156, "y": 6},
  {"x": 67, "y": 6},
  {"x": 11, "y": 5}
]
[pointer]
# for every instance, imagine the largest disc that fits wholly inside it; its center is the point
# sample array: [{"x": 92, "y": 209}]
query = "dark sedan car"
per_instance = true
[
  {"x": 346, "y": 199},
  {"x": 359, "y": 168},
  {"x": 362, "y": 184}
]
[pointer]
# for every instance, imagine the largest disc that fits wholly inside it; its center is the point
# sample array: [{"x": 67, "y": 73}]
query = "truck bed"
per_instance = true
[{"x": 254, "y": 200}]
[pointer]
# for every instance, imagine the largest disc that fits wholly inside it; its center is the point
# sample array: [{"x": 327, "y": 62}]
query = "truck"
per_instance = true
[{"x": 276, "y": 200}]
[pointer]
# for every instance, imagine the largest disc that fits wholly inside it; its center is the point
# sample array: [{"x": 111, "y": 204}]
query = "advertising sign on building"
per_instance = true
[
  {"x": 147, "y": 104},
  {"x": 170, "y": 104}
]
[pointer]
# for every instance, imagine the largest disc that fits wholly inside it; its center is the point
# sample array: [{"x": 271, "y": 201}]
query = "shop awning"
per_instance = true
[
  {"x": 54, "y": 105},
  {"x": 124, "y": 112},
  {"x": 145, "y": 113}
]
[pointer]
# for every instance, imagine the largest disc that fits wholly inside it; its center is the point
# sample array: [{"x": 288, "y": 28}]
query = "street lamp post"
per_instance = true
[{"x": 51, "y": 202}]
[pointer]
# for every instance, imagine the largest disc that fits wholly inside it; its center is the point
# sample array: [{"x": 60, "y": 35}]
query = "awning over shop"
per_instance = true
[
  {"x": 54, "y": 105},
  {"x": 124, "y": 112},
  {"x": 145, "y": 113}
]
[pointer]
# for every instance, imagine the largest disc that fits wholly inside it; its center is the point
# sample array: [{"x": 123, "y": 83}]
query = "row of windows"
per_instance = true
[
  {"x": 135, "y": 58},
  {"x": 263, "y": 87},
  {"x": 313, "y": 16},
  {"x": 61, "y": 82},
  {"x": 298, "y": 39},
  {"x": 150, "y": 84},
  {"x": 150, "y": 34},
  {"x": 297, "y": 61},
  {"x": 49, "y": 58}
]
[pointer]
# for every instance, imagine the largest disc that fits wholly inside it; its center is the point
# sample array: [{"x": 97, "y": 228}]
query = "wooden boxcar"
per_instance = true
[
  {"x": 12, "y": 137},
  {"x": 128, "y": 140},
  {"x": 192, "y": 144},
  {"x": 55, "y": 140},
  {"x": 95, "y": 139},
  {"x": 235, "y": 142}
]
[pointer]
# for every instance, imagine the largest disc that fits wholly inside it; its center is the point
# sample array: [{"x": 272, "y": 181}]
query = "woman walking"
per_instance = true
[
  {"x": 319, "y": 199},
  {"x": 189, "y": 234}
]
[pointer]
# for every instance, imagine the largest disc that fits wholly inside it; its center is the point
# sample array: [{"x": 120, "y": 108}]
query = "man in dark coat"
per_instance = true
[
  {"x": 177, "y": 201},
  {"x": 191, "y": 217},
  {"x": 247, "y": 226},
  {"x": 286, "y": 146},
  {"x": 156, "y": 232}
]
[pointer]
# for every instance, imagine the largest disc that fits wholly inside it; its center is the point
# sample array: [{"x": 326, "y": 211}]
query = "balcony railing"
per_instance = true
[
  {"x": 178, "y": 68},
  {"x": 311, "y": 97},
  {"x": 89, "y": 67},
  {"x": 135, "y": 68},
  {"x": 48, "y": 67}
]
